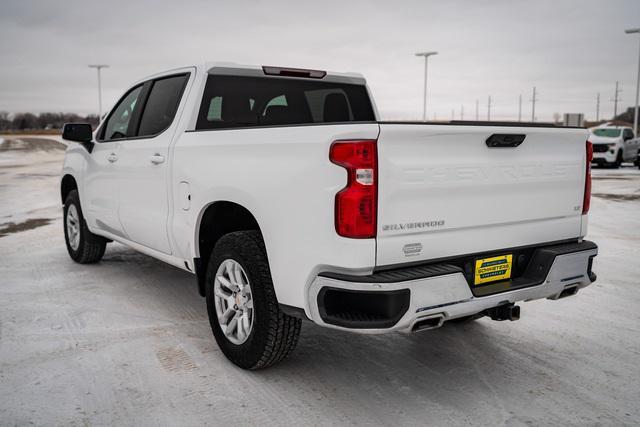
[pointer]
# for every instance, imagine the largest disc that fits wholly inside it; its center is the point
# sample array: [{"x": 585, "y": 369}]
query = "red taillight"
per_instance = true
[
  {"x": 356, "y": 204},
  {"x": 586, "y": 202}
]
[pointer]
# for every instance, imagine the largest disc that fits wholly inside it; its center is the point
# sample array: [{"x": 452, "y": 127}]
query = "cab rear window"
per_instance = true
[{"x": 238, "y": 101}]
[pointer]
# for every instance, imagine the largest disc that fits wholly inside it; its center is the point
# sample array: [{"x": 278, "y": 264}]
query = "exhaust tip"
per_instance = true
[
  {"x": 431, "y": 322},
  {"x": 568, "y": 291}
]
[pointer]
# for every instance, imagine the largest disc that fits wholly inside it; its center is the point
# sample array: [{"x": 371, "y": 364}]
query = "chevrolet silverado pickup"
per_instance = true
[{"x": 289, "y": 200}]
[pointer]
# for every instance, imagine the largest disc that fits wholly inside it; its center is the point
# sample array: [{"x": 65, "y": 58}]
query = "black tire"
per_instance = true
[
  {"x": 618, "y": 161},
  {"x": 91, "y": 247},
  {"x": 274, "y": 334}
]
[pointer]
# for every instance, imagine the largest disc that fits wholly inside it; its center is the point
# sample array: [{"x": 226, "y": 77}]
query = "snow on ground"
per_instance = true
[{"x": 127, "y": 341}]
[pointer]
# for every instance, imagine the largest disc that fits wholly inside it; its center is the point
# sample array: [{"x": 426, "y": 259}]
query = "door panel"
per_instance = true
[
  {"x": 101, "y": 189},
  {"x": 102, "y": 181},
  {"x": 144, "y": 202},
  {"x": 143, "y": 165}
]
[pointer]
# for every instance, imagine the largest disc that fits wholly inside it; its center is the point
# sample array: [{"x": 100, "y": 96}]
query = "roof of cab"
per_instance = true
[{"x": 231, "y": 68}]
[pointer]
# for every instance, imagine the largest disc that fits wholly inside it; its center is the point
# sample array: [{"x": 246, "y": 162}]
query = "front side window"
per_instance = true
[
  {"x": 118, "y": 123},
  {"x": 161, "y": 105},
  {"x": 239, "y": 101}
]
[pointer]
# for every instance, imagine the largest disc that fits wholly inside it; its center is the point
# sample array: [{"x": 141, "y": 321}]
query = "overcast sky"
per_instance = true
[{"x": 570, "y": 50}]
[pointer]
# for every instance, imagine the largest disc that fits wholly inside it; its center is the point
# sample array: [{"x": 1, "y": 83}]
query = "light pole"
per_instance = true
[
  {"x": 99, "y": 67},
  {"x": 426, "y": 60},
  {"x": 635, "y": 114}
]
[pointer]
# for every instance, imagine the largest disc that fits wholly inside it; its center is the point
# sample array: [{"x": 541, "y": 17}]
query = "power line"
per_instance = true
[
  {"x": 520, "y": 107},
  {"x": 616, "y": 99},
  {"x": 533, "y": 105}
]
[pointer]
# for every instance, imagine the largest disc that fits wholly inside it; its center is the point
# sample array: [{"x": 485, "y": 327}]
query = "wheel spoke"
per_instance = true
[
  {"x": 227, "y": 314},
  {"x": 226, "y": 283},
  {"x": 240, "y": 328},
  {"x": 236, "y": 276},
  {"x": 245, "y": 320},
  {"x": 219, "y": 292},
  {"x": 232, "y": 325}
]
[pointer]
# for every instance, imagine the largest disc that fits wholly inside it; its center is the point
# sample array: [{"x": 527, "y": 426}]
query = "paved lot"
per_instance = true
[{"x": 127, "y": 342}]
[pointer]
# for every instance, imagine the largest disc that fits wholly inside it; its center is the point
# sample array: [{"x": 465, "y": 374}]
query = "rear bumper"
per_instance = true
[{"x": 397, "y": 300}]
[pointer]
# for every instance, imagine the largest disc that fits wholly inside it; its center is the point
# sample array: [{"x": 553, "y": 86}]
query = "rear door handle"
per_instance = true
[
  {"x": 113, "y": 157},
  {"x": 157, "y": 158}
]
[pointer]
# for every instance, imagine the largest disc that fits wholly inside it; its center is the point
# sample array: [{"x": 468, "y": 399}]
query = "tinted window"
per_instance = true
[
  {"x": 117, "y": 125},
  {"x": 234, "y": 101},
  {"x": 607, "y": 132},
  {"x": 161, "y": 105}
]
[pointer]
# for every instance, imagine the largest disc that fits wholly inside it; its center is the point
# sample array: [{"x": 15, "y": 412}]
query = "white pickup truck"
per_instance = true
[{"x": 289, "y": 200}]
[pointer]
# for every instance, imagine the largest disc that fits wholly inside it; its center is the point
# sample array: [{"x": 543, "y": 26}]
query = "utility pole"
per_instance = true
[
  {"x": 462, "y": 112},
  {"x": 533, "y": 105},
  {"x": 99, "y": 67},
  {"x": 426, "y": 58},
  {"x": 520, "y": 107},
  {"x": 635, "y": 114},
  {"x": 489, "y": 109},
  {"x": 598, "y": 107},
  {"x": 616, "y": 99},
  {"x": 477, "y": 105}
]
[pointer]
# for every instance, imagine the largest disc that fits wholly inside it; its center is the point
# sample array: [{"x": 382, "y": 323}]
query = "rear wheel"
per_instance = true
[
  {"x": 245, "y": 318},
  {"x": 83, "y": 246}
]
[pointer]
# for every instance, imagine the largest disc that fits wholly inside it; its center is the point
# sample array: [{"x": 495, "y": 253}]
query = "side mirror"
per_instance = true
[{"x": 79, "y": 132}]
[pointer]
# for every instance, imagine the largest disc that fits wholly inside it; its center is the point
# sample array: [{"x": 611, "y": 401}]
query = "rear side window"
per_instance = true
[
  {"x": 161, "y": 105},
  {"x": 237, "y": 101}
]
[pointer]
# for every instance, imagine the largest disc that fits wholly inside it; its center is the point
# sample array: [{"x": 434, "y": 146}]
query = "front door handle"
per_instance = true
[
  {"x": 157, "y": 158},
  {"x": 113, "y": 157}
]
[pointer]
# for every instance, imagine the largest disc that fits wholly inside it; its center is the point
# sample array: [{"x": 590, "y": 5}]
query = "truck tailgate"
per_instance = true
[{"x": 444, "y": 192}]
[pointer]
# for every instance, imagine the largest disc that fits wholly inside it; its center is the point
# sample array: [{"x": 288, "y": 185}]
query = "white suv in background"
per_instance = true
[{"x": 613, "y": 145}]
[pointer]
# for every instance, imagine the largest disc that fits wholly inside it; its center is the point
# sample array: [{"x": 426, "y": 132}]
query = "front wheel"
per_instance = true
[
  {"x": 245, "y": 318},
  {"x": 83, "y": 246},
  {"x": 618, "y": 161}
]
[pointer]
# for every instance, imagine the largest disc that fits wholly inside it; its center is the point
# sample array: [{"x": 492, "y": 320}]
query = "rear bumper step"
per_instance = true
[{"x": 402, "y": 298}]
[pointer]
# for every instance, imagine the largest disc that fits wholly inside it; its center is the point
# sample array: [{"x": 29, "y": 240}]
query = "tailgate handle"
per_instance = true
[{"x": 505, "y": 140}]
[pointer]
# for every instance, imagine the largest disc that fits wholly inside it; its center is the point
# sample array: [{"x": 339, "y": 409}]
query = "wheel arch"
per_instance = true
[
  {"x": 215, "y": 220},
  {"x": 67, "y": 184}
]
